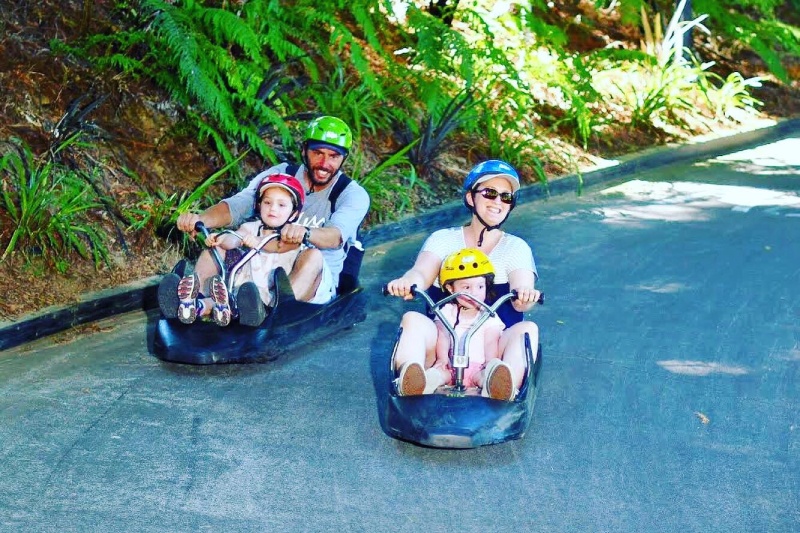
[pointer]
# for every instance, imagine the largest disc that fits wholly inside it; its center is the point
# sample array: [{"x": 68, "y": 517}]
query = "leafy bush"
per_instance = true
[
  {"x": 732, "y": 97},
  {"x": 355, "y": 102},
  {"x": 49, "y": 205},
  {"x": 754, "y": 25},
  {"x": 433, "y": 135},
  {"x": 244, "y": 75},
  {"x": 390, "y": 184},
  {"x": 158, "y": 212}
]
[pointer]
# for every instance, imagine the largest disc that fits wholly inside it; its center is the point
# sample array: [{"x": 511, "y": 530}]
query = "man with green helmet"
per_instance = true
[{"x": 333, "y": 210}]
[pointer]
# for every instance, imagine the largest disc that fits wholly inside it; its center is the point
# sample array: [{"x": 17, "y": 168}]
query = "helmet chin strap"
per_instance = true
[{"x": 276, "y": 229}]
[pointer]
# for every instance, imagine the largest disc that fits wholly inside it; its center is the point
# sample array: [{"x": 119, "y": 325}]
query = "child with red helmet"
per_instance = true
[
  {"x": 334, "y": 208},
  {"x": 279, "y": 201}
]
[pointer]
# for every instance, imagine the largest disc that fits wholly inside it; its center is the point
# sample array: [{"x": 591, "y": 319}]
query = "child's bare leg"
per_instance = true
[
  {"x": 416, "y": 350},
  {"x": 306, "y": 274},
  {"x": 206, "y": 268},
  {"x": 417, "y": 342},
  {"x": 512, "y": 348}
]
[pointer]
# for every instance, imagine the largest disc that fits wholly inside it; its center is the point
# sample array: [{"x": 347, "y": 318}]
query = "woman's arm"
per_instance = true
[
  {"x": 522, "y": 280},
  {"x": 422, "y": 274}
]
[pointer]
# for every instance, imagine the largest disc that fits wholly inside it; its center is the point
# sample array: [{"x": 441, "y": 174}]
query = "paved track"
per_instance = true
[{"x": 669, "y": 396}]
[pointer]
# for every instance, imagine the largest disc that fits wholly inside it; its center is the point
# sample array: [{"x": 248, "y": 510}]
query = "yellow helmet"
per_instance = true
[{"x": 465, "y": 263}]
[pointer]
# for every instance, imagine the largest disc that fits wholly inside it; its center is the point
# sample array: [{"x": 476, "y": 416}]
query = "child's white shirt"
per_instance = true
[{"x": 259, "y": 269}]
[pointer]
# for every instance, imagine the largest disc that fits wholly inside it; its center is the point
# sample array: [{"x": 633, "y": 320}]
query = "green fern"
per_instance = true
[{"x": 753, "y": 23}]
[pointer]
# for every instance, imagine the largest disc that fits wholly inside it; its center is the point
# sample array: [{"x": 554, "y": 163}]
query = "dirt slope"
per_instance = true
[{"x": 133, "y": 130}]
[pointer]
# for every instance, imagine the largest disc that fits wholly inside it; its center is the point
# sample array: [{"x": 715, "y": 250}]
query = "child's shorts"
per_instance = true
[
  {"x": 325, "y": 292},
  {"x": 472, "y": 375},
  {"x": 327, "y": 287}
]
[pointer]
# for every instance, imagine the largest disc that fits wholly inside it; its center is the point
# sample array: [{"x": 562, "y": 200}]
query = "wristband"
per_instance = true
[{"x": 307, "y": 237}]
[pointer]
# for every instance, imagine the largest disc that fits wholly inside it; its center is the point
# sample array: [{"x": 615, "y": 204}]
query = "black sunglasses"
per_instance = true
[{"x": 491, "y": 194}]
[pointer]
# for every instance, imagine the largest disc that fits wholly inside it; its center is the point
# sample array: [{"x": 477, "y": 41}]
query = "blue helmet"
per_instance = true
[{"x": 493, "y": 168}]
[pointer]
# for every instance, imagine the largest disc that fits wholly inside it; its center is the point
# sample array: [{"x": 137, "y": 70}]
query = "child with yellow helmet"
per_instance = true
[{"x": 465, "y": 271}]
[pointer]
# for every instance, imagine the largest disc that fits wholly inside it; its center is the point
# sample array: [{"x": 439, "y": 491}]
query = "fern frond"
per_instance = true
[{"x": 228, "y": 29}]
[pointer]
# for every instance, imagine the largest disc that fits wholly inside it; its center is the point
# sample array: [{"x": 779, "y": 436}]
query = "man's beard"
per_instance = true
[{"x": 315, "y": 179}]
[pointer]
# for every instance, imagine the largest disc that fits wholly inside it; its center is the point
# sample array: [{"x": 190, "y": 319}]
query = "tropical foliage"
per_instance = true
[
  {"x": 481, "y": 79},
  {"x": 50, "y": 207}
]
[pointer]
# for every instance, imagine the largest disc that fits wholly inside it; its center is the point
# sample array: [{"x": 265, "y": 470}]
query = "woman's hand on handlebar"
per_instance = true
[
  {"x": 400, "y": 287},
  {"x": 526, "y": 298}
]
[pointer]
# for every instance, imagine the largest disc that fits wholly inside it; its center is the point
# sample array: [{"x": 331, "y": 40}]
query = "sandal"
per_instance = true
[
  {"x": 221, "y": 312},
  {"x": 188, "y": 287}
]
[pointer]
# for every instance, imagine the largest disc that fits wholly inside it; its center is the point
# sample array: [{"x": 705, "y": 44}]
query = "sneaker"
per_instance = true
[
  {"x": 221, "y": 312},
  {"x": 252, "y": 311},
  {"x": 188, "y": 287},
  {"x": 499, "y": 384},
  {"x": 412, "y": 380},
  {"x": 168, "y": 300},
  {"x": 434, "y": 378}
]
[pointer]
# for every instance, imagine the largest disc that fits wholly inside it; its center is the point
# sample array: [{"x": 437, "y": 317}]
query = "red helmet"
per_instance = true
[{"x": 287, "y": 182}]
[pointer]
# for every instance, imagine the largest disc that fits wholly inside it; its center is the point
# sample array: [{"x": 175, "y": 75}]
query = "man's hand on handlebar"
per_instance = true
[
  {"x": 186, "y": 223},
  {"x": 293, "y": 234}
]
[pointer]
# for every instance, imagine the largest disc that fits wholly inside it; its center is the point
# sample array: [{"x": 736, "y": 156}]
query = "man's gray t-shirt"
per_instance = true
[{"x": 351, "y": 208}]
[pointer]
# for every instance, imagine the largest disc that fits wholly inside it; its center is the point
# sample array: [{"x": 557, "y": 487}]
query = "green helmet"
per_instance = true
[{"x": 329, "y": 130}]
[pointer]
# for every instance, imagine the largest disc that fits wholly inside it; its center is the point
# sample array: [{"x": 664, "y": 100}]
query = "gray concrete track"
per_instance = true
[{"x": 669, "y": 397}]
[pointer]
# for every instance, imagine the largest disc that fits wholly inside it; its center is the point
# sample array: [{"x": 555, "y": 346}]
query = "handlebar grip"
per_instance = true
[
  {"x": 385, "y": 290},
  {"x": 201, "y": 228},
  {"x": 540, "y": 301}
]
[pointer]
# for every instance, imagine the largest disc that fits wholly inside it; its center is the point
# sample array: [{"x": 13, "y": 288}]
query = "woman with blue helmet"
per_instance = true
[{"x": 490, "y": 193}]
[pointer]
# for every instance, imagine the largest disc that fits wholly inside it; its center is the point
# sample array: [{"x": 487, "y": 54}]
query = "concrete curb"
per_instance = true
[
  {"x": 141, "y": 295},
  {"x": 90, "y": 307}
]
